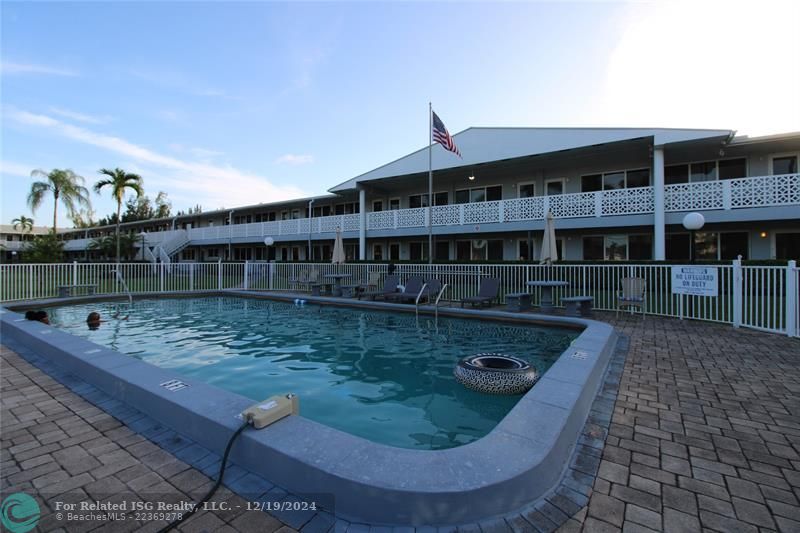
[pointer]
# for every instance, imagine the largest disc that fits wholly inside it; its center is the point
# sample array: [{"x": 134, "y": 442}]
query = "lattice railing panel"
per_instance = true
[
  {"x": 691, "y": 196},
  {"x": 411, "y": 218},
  {"x": 765, "y": 191},
  {"x": 482, "y": 212},
  {"x": 580, "y": 204},
  {"x": 524, "y": 209},
  {"x": 446, "y": 215},
  {"x": 380, "y": 220},
  {"x": 628, "y": 201}
]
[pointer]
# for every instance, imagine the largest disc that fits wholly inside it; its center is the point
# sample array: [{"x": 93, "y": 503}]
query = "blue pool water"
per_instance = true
[{"x": 387, "y": 377}]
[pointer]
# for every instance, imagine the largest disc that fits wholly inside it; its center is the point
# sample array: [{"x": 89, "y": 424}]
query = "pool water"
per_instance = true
[{"x": 386, "y": 377}]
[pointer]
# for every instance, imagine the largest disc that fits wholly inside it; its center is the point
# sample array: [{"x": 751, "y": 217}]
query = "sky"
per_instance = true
[{"x": 227, "y": 104}]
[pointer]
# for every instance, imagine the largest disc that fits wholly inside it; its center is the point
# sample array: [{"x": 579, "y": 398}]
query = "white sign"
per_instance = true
[{"x": 694, "y": 280}]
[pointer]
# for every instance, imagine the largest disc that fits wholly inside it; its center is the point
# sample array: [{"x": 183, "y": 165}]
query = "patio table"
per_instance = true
[
  {"x": 337, "y": 282},
  {"x": 546, "y": 303}
]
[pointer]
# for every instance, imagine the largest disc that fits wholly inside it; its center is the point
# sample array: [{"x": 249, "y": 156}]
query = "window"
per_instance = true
[
  {"x": 394, "y": 204},
  {"x": 592, "y": 183},
  {"x": 732, "y": 245},
  {"x": 640, "y": 247},
  {"x": 676, "y": 174},
  {"x": 418, "y": 251},
  {"x": 346, "y": 209},
  {"x": 377, "y": 252},
  {"x": 417, "y": 200},
  {"x": 525, "y": 250},
  {"x": 706, "y": 245},
  {"x": 706, "y": 171},
  {"x": 321, "y": 252},
  {"x": 610, "y": 181},
  {"x": 479, "y": 194},
  {"x": 322, "y": 211},
  {"x": 677, "y": 246},
  {"x": 480, "y": 250},
  {"x": 463, "y": 250},
  {"x": 394, "y": 251},
  {"x": 787, "y": 246},
  {"x": 784, "y": 165},
  {"x": 553, "y": 187},
  {"x": 614, "y": 181},
  {"x": 440, "y": 198},
  {"x": 377, "y": 205},
  {"x": 351, "y": 252},
  {"x": 442, "y": 251},
  {"x": 616, "y": 247},
  {"x": 495, "y": 250},
  {"x": 733, "y": 168},
  {"x": 526, "y": 190},
  {"x": 593, "y": 248},
  {"x": 637, "y": 178}
]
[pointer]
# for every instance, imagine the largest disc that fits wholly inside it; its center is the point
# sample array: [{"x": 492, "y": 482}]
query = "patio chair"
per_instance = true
[
  {"x": 487, "y": 293},
  {"x": 426, "y": 293},
  {"x": 410, "y": 291},
  {"x": 373, "y": 282},
  {"x": 300, "y": 281},
  {"x": 632, "y": 294},
  {"x": 389, "y": 287}
]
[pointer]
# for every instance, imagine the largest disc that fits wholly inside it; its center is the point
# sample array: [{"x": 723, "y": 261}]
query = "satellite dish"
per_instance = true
[{"x": 269, "y": 241}]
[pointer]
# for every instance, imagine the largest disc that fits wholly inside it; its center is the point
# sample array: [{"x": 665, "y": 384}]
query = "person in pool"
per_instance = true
[
  {"x": 93, "y": 320},
  {"x": 41, "y": 316},
  {"x": 30, "y": 315}
]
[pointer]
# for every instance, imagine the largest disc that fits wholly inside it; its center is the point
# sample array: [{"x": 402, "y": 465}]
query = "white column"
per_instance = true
[
  {"x": 658, "y": 214},
  {"x": 362, "y": 224}
]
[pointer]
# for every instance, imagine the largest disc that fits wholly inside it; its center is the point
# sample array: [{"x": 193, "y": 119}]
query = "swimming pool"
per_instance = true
[{"x": 383, "y": 376}]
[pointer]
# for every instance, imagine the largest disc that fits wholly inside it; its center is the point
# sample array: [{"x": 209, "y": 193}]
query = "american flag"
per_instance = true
[{"x": 442, "y": 136}]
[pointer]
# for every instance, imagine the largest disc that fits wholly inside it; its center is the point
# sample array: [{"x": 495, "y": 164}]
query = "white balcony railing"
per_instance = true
[{"x": 759, "y": 191}]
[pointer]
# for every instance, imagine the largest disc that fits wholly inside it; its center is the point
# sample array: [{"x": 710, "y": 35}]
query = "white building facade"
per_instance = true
[{"x": 615, "y": 194}]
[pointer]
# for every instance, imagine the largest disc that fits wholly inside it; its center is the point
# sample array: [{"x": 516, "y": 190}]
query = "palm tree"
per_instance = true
[
  {"x": 23, "y": 222},
  {"x": 119, "y": 180},
  {"x": 64, "y": 185}
]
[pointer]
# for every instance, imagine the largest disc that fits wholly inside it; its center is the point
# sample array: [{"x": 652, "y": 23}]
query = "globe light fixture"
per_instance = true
[
  {"x": 693, "y": 222},
  {"x": 269, "y": 241}
]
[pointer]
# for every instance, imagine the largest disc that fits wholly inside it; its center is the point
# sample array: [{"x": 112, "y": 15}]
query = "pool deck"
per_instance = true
[{"x": 705, "y": 434}]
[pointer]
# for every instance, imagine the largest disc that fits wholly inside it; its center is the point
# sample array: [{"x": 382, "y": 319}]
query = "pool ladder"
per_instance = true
[
  {"x": 436, "y": 303},
  {"x": 124, "y": 285}
]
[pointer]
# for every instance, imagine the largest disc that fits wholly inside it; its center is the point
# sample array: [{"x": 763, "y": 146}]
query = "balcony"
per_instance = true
[{"x": 727, "y": 195}]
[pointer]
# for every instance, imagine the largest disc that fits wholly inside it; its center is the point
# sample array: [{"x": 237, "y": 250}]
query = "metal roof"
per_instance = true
[{"x": 483, "y": 145}]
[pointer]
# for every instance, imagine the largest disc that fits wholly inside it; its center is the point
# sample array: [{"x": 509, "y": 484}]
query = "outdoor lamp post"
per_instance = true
[{"x": 693, "y": 222}]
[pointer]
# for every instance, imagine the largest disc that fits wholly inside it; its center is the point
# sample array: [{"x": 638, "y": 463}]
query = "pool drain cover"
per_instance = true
[{"x": 174, "y": 385}]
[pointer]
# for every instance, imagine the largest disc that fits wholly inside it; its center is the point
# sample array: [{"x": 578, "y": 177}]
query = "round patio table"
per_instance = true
[
  {"x": 337, "y": 282},
  {"x": 546, "y": 303}
]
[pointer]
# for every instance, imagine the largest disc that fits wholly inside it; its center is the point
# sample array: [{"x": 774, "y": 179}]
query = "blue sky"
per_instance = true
[{"x": 226, "y": 104}]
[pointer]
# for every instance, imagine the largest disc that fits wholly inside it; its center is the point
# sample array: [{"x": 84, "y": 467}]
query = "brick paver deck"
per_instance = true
[{"x": 705, "y": 436}]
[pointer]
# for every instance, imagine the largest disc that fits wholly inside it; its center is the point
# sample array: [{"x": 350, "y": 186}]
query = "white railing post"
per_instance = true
[
  {"x": 161, "y": 277},
  {"x": 74, "y": 272},
  {"x": 219, "y": 274},
  {"x": 738, "y": 297},
  {"x": 191, "y": 276},
  {"x": 395, "y": 218},
  {"x": 726, "y": 194},
  {"x": 501, "y": 211},
  {"x": 461, "y": 214},
  {"x": 791, "y": 298},
  {"x": 271, "y": 274},
  {"x": 546, "y": 205},
  {"x": 246, "y": 274},
  {"x": 598, "y": 203}
]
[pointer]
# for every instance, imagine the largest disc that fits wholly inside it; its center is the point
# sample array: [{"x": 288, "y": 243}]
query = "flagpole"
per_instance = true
[{"x": 430, "y": 183}]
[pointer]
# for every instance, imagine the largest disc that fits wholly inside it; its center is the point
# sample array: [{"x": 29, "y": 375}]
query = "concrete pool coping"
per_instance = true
[{"x": 518, "y": 462}]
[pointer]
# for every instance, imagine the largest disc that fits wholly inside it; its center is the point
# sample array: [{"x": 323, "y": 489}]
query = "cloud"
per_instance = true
[
  {"x": 11, "y": 168},
  {"x": 205, "y": 183},
  {"x": 196, "y": 151},
  {"x": 687, "y": 64},
  {"x": 295, "y": 159},
  {"x": 7, "y": 68},
  {"x": 80, "y": 117}
]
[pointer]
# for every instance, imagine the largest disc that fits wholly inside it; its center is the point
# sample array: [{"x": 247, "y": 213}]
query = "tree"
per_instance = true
[
  {"x": 64, "y": 185},
  {"x": 124, "y": 244},
  {"x": 142, "y": 208},
  {"x": 83, "y": 218},
  {"x": 119, "y": 181},
  {"x": 44, "y": 249},
  {"x": 23, "y": 222}
]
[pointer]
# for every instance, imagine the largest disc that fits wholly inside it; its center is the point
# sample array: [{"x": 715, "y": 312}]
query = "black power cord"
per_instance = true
[{"x": 216, "y": 485}]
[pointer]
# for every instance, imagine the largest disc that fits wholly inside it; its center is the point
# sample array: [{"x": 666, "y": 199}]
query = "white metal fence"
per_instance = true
[{"x": 760, "y": 297}]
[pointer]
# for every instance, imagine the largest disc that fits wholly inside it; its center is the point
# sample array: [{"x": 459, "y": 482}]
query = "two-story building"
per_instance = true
[{"x": 615, "y": 194}]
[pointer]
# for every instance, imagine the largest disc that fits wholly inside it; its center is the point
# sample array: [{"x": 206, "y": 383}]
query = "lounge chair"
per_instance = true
[
  {"x": 410, "y": 291},
  {"x": 487, "y": 293},
  {"x": 632, "y": 294},
  {"x": 389, "y": 287},
  {"x": 426, "y": 292},
  {"x": 372, "y": 283}
]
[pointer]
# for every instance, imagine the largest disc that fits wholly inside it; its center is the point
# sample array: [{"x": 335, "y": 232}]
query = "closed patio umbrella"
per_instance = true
[
  {"x": 338, "y": 249},
  {"x": 549, "y": 250}
]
